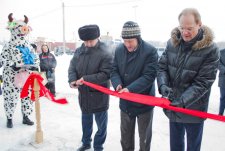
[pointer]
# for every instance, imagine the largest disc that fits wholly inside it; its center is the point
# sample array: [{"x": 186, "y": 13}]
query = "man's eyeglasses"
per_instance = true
[{"x": 189, "y": 29}]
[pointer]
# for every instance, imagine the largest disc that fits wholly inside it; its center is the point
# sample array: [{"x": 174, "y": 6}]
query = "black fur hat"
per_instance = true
[{"x": 89, "y": 32}]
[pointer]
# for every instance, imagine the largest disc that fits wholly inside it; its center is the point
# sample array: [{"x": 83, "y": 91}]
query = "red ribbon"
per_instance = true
[
  {"x": 43, "y": 90},
  {"x": 155, "y": 101}
]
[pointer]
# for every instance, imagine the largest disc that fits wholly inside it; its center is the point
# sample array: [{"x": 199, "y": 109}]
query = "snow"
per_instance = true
[{"x": 61, "y": 124}]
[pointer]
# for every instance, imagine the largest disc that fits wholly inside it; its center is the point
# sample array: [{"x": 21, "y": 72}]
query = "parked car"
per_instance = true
[
  {"x": 160, "y": 50},
  {"x": 69, "y": 51},
  {"x": 58, "y": 51}
]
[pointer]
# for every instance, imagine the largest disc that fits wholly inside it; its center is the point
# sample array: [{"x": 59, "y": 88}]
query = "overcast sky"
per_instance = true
[{"x": 156, "y": 18}]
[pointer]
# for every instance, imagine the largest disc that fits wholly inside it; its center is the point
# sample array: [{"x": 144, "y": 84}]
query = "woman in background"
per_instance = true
[{"x": 47, "y": 65}]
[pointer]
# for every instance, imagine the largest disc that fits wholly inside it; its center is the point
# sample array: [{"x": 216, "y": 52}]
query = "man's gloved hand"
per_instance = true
[
  {"x": 177, "y": 103},
  {"x": 166, "y": 91}
]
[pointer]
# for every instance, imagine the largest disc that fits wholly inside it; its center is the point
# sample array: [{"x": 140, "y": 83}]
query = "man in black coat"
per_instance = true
[
  {"x": 91, "y": 62},
  {"x": 134, "y": 70},
  {"x": 222, "y": 81},
  {"x": 187, "y": 70}
]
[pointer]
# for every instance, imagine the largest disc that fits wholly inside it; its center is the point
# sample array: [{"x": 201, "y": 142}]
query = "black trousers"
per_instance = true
[
  {"x": 127, "y": 128},
  {"x": 51, "y": 87}
]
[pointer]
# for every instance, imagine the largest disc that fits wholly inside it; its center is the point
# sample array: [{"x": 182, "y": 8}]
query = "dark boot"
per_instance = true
[
  {"x": 27, "y": 121},
  {"x": 9, "y": 123},
  {"x": 84, "y": 147}
]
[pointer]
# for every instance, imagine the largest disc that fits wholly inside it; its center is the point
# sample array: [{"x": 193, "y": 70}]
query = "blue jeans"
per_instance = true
[
  {"x": 222, "y": 100},
  {"x": 101, "y": 119},
  {"x": 193, "y": 131}
]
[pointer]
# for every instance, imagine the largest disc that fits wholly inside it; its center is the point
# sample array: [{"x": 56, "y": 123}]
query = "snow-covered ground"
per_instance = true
[{"x": 61, "y": 124}]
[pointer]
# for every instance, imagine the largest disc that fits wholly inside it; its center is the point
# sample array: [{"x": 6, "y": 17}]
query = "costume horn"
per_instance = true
[
  {"x": 10, "y": 17},
  {"x": 26, "y": 19}
]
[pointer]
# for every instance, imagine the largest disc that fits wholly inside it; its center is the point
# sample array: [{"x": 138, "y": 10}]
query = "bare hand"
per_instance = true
[
  {"x": 73, "y": 84},
  {"x": 119, "y": 87},
  {"x": 80, "y": 81},
  {"x": 123, "y": 90}
]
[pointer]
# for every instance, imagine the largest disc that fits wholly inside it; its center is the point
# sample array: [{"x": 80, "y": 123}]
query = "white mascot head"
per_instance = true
[{"x": 19, "y": 29}]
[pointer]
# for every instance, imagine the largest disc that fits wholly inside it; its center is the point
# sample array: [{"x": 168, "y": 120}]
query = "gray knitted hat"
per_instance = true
[{"x": 130, "y": 30}]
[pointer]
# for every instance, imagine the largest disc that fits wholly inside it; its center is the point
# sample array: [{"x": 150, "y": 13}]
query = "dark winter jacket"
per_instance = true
[
  {"x": 137, "y": 72},
  {"x": 94, "y": 65},
  {"x": 48, "y": 64},
  {"x": 222, "y": 69},
  {"x": 192, "y": 82}
]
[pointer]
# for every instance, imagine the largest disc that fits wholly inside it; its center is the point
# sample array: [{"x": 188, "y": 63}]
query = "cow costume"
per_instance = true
[{"x": 17, "y": 57}]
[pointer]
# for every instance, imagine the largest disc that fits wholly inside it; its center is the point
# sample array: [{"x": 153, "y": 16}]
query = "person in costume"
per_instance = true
[{"x": 17, "y": 57}]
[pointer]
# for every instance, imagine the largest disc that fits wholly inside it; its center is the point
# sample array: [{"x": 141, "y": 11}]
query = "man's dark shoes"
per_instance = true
[
  {"x": 84, "y": 147},
  {"x": 27, "y": 121},
  {"x": 9, "y": 123}
]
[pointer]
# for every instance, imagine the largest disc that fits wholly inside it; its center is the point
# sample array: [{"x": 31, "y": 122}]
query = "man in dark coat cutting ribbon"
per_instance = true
[
  {"x": 134, "y": 70},
  {"x": 91, "y": 62},
  {"x": 187, "y": 70}
]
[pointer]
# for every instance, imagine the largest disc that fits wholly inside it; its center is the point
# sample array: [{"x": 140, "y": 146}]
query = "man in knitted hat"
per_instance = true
[
  {"x": 91, "y": 62},
  {"x": 134, "y": 70}
]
